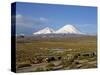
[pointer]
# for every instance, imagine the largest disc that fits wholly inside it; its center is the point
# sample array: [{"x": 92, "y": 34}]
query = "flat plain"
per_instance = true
[{"x": 51, "y": 54}]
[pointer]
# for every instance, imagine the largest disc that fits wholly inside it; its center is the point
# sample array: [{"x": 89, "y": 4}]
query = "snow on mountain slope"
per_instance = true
[
  {"x": 46, "y": 30},
  {"x": 68, "y": 29}
]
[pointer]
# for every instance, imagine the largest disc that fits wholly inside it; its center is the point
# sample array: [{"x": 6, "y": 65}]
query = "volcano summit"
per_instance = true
[{"x": 67, "y": 29}]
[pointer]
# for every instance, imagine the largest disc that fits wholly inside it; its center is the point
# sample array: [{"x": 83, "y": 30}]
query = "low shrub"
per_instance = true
[
  {"x": 49, "y": 66},
  {"x": 39, "y": 69},
  {"x": 24, "y": 64}
]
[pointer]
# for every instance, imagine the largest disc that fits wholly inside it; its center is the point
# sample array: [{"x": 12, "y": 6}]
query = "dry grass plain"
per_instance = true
[{"x": 52, "y": 54}]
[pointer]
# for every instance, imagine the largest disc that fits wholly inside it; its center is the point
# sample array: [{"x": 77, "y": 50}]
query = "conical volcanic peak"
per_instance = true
[
  {"x": 68, "y": 29},
  {"x": 46, "y": 30}
]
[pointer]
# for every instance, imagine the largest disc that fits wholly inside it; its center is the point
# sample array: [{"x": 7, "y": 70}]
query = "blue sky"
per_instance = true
[{"x": 31, "y": 17}]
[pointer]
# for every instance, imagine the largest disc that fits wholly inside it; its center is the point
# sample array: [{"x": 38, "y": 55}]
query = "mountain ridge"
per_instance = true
[{"x": 66, "y": 29}]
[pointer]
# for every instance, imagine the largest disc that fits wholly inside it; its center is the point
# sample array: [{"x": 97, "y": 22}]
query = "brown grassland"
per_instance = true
[{"x": 62, "y": 54}]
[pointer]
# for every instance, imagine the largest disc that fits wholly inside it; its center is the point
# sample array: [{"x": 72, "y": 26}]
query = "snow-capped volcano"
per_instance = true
[
  {"x": 68, "y": 29},
  {"x": 46, "y": 30}
]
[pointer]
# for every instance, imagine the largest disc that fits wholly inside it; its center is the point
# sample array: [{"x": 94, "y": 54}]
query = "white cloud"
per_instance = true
[
  {"x": 27, "y": 21},
  {"x": 18, "y": 16},
  {"x": 43, "y": 19}
]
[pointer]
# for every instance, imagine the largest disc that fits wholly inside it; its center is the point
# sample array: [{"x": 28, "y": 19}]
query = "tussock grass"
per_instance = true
[{"x": 35, "y": 52}]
